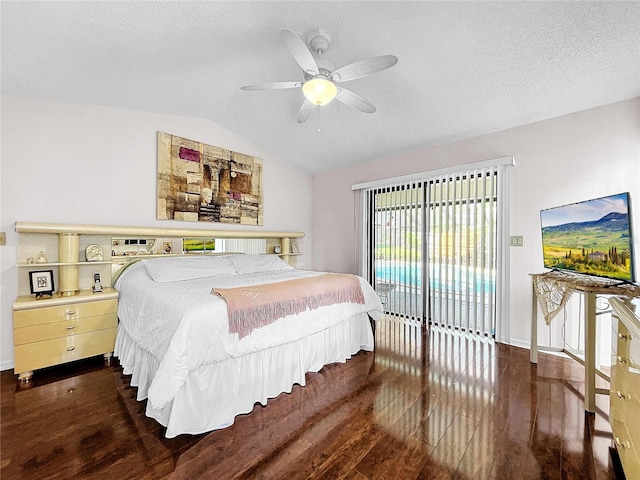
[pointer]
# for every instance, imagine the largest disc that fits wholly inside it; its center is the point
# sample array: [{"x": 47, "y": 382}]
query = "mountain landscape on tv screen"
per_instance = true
[{"x": 599, "y": 247}]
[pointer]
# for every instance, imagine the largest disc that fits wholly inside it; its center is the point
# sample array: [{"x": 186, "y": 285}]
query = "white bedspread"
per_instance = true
[{"x": 184, "y": 326}]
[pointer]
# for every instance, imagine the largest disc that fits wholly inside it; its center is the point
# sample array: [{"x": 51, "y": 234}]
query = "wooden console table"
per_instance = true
[{"x": 590, "y": 288}]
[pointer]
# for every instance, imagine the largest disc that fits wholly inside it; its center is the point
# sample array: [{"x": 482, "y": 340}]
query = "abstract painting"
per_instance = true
[{"x": 202, "y": 183}]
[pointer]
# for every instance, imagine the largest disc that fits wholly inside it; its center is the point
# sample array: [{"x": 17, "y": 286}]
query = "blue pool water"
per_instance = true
[{"x": 455, "y": 277}]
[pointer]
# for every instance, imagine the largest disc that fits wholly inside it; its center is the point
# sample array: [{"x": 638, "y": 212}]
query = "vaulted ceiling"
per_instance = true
[{"x": 464, "y": 68}]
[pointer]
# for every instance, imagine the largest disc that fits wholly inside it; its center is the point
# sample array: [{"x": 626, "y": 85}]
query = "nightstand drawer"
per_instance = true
[
  {"x": 624, "y": 412},
  {"x": 626, "y": 449},
  {"x": 47, "y": 331},
  {"x": 72, "y": 311},
  {"x": 61, "y": 350}
]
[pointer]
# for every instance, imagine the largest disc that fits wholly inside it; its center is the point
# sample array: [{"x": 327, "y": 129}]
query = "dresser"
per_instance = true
[
  {"x": 62, "y": 329},
  {"x": 624, "y": 413}
]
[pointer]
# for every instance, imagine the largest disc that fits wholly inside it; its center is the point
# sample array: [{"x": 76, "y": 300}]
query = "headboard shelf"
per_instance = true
[
  {"x": 75, "y": 274},
  {"x": 63, "y": 228},
  {"x": 57, "y": 264}
]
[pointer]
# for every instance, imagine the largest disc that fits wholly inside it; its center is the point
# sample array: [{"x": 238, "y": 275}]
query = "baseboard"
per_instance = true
[
  {"x": 520, "y": 343},
  {"x": 541, "y": 349},
  {"x": 7, "y": 365}
]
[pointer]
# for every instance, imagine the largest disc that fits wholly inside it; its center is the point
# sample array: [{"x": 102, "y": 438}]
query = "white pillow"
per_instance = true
[
  {"x": 175, "y": 269},
  {"x": 246, "y": 263}
]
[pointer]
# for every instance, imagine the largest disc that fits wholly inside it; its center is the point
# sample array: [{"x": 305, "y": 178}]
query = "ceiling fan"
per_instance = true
[{"x": 321, "y": 76}]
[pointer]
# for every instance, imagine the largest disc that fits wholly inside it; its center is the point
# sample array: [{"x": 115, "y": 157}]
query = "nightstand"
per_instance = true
[{"x": 62, "y": 329}]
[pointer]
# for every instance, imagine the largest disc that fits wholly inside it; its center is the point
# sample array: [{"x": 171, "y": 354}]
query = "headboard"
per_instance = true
[{"x": 65, "y": 246}]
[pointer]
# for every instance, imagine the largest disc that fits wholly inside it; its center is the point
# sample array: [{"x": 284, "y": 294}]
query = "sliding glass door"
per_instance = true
[
  {"x": 397, "y": 250},
  {"x": 433, "y": 249},
  {"x": 462, "y": 231}
]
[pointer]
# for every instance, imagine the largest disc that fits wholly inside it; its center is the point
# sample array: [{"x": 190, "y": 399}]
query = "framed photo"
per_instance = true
[
  {"x": 41, "y": 282},
  {"x": 167, "y": 247},
  {"x": 295, "y": 248}
]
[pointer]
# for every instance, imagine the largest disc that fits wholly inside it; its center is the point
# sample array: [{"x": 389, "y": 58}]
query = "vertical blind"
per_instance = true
[
  {"x": 462, "y": 251},
  {"x": 397, "y": 247},
  {"x": 431, "y": 248}
]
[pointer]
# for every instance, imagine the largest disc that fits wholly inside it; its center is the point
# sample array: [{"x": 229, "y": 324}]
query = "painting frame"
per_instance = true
[
  {"x": 41, "y": 282},
  {"x": 197, "y": 182},
  {"x": 295, "y": 248}
]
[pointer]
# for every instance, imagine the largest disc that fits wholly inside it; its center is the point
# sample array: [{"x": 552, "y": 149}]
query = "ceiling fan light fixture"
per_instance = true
[
  {"x": 319, "y": 91},
  {"x": 321, "y": 76}
]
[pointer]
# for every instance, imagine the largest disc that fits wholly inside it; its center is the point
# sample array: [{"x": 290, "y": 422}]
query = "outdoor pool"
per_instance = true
[{"x": 454, "y": 277}]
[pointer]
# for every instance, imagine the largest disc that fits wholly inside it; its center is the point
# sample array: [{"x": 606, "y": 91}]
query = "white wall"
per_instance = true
[
  {"x": 558, "y": 161},
  {"x": 69, "y": 163},
  {"x": 86, "y": 164}
]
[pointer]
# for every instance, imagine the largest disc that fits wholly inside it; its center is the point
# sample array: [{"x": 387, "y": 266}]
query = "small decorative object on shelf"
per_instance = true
[
  {"x": 29, "y": 260},
  {"x": 93, "y": 253},
  {"x": 168, "y": 247},
  {"x": 41, "y": 282},
  {"x": 42, "y": 258},
  {"x": 295, "y": 248},
  {"x": 276, "y": 249},
  {"x": 97, "y": 286}
]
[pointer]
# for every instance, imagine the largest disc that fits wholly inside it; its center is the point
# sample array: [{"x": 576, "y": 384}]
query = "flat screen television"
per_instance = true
[{"x": 593, "y": 237}]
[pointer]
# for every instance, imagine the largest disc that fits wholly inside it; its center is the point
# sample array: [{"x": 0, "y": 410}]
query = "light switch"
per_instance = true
[{"x": 516, "y": 241}]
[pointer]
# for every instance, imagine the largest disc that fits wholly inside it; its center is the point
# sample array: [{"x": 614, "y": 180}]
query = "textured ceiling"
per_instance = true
[{"x": 464, "y": 69}]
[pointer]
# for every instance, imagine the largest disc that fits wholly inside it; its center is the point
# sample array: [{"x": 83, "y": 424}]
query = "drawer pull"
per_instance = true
[
  {"x": 622, "y": 336},
  {"x": 622, "y": 443},
  {"x": 622, "y": 359},
  {"x": 70, "y": 312},
  {"x": 624, "y": 396},
  {"x": 70, "y": 349},
  {"x": 70, "y": 327}
]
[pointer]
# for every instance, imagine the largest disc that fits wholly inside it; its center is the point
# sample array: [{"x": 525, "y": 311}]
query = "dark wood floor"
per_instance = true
[{"x": 434, "y": 405}]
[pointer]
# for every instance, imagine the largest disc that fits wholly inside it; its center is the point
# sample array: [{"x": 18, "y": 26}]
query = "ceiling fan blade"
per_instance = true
[
  {"x": 305, "y": 111},
  {"x": 363, "y": 68},
  {"x": 300, "y": 52},
  {"x": 272, "y": 86},
  {"x": 354, "y": 100}
]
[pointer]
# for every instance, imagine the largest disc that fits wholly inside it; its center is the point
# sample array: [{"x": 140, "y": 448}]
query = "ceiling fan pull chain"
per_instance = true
[{"x": 318, "y": 118}]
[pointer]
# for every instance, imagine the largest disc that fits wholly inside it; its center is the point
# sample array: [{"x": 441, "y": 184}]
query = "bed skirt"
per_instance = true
[{"x": 213, "y": 395}]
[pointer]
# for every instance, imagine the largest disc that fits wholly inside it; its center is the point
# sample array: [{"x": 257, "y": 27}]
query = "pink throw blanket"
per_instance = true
[{"x": 259, "y": 305}]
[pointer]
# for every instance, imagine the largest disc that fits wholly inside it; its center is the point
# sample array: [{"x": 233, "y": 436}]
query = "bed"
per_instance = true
[{"x": 173, "y": 337}]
